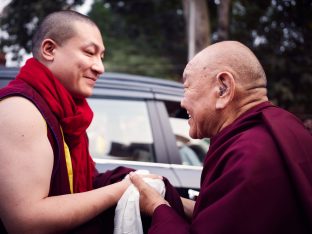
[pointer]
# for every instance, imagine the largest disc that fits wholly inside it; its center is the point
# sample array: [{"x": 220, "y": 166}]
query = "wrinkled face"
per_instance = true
[
  {"x": 77, "y": 62},
  {"x": 199, "y": 101}
]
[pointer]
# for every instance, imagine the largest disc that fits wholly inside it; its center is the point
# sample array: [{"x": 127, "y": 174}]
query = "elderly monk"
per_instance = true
[{"x": 257, "y": 175}]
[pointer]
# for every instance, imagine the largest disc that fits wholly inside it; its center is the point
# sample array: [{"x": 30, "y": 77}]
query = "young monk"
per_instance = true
[{"x": 48, "y": 180}]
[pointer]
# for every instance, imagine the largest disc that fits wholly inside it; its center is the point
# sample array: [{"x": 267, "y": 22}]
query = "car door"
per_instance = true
[
  {"x": 140, "y": 132},
  {"x": 123, "y": 133}
]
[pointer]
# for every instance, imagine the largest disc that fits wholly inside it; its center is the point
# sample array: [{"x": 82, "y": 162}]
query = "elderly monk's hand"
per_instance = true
[{"x": 150, "y": 199}]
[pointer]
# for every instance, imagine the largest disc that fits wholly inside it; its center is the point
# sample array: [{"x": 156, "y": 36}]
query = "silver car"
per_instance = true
[{"x": 138, "y": 123}]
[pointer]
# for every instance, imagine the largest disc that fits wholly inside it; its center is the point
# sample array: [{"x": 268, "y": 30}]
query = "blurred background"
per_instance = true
[{"x": 157, "y": 37}]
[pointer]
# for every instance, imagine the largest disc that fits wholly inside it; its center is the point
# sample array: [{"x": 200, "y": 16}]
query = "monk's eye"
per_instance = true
[{"x": 89, "y": 52}]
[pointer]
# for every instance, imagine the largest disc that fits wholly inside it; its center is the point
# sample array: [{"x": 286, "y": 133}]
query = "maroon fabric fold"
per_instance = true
[
  {"x": 73, "y": 114},
  {"x": 257, "y": 178}
]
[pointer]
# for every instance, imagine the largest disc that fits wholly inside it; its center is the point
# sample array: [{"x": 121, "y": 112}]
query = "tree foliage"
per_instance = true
[
  {"x": 21, "y": 17},
  {"x": 149, "y": 37},
  {"x": 279, "y": 32},
  {"x": 143, "y": 37}
]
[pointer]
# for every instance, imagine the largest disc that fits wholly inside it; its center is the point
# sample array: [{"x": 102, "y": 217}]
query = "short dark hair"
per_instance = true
[{"x": 57, "y": 26}]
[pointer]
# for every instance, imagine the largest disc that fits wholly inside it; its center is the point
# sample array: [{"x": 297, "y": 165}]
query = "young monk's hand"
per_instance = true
[{"x": 150, "y": 199}]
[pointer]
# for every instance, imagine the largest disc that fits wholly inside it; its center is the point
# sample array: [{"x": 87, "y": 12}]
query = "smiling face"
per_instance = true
[
  {"x": 77, "y": 63},
  {"x": 220, "y": 83},
  {"x": 199, "y": 100}
]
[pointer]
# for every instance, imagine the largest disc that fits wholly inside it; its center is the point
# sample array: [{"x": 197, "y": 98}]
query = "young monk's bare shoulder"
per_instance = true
[{"x": 18, "y": 113}]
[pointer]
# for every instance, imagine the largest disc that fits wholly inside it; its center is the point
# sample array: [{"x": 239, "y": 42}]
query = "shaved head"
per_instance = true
[
  {"x": 236, "y": 58},
  {"x": 221, "y": 82},
  {"x": 58, "y": 26}
]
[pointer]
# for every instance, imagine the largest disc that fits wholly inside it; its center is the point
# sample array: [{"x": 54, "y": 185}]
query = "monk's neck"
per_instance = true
[{"x": 235, "y": 112}]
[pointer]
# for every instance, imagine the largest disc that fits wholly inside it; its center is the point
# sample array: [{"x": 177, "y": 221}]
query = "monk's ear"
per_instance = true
[
  {"x": 226, "y": 88},
  {"x": 47, "y": 51}
]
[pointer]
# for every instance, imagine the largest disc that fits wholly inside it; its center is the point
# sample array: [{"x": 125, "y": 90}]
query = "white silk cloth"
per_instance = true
[{"x": 127, "y": 213}]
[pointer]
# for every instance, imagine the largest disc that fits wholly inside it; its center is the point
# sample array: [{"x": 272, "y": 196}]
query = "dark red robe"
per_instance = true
[{"x": 257, "y": 178}]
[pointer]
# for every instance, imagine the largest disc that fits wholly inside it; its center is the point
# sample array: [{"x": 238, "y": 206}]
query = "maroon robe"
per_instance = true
[{"x": 257, "y": 178}]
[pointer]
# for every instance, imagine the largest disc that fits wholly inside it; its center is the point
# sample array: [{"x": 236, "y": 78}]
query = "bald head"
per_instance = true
[
  {"x": 58, "y": 26},
  {"x": 222, "y": 82},
  {"x": 236, "y": 58}
]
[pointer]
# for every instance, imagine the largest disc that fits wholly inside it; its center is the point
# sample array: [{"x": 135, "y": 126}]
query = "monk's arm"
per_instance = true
[
  {"x": 188, "y": 206},
  {"x": 26, "y": 160}
]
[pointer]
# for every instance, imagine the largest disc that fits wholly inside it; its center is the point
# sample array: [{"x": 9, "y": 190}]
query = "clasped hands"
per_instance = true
[{"x": 150, "y": 199}]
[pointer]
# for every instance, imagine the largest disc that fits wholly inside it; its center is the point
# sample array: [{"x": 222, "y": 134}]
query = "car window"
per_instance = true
[
  {"x": 192, "y": 151},
  {"x": 120, "y": 130}
]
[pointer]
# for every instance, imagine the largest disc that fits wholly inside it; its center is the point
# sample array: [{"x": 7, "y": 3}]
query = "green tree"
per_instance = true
[
  {"x": 279, "y": 32},
  {"x": 143, "y": 37},
  {"x": 149, "y": 37},
  {"x": 20, "y": 18}
]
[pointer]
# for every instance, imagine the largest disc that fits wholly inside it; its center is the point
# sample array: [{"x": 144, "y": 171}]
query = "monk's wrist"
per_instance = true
[{"x": 157, "y": 204}]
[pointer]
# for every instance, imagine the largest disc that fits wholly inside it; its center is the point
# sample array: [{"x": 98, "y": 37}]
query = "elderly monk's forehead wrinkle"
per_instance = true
[{"x": 187, "y": 71}]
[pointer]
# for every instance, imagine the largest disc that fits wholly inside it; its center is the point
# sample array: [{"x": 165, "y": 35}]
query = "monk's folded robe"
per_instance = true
[{"x": 257, "y": 178}]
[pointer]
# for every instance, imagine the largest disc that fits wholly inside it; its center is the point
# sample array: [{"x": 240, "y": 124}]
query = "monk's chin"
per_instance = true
[{"x": 193, "y": 135}]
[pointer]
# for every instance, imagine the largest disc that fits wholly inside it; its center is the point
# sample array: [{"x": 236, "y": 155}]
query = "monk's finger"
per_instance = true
[
  {"x": 152, "y": 176},
  {"x": 137, "y": 181}
]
